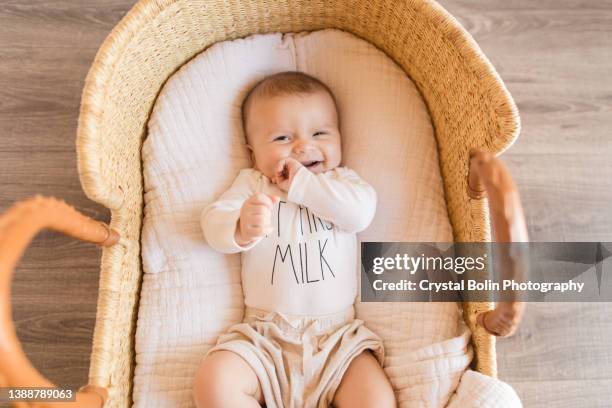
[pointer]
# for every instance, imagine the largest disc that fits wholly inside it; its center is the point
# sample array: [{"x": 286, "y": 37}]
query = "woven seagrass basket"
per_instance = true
[{"x": 468, "y": 103}]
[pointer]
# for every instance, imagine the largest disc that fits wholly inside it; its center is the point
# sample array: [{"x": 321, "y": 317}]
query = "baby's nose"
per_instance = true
[{"x": 301, "y": 147}]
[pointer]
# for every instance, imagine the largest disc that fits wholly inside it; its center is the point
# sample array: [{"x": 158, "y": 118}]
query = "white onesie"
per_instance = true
[{"x": 308, "y": 264}]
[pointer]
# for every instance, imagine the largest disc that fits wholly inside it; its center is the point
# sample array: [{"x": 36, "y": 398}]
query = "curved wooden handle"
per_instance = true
[
  {"x": 489, "y": 177},
  {"x": 18, "y": 226}
]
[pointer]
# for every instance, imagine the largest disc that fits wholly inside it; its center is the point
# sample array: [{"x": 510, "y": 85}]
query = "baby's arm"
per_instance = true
[
  {"x": 339, "y": 196},
  {"x": 219, "y": 220}
]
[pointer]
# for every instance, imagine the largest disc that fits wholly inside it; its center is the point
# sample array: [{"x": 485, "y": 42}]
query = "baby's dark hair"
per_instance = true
[{"x": 283, "y": 83}]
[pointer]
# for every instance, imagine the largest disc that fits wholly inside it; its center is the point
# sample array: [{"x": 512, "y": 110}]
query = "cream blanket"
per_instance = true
[{"x": 428, "y": 361}]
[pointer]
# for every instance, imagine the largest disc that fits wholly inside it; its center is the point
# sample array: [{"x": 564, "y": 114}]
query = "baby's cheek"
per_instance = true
[
  {"x": 271, "y": 170},
  {"x": 334, "y": 157}
]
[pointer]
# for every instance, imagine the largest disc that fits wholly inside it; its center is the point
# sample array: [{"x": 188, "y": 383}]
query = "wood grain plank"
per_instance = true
[
  {"x": 565, "y": 394},
  {"x": 71, "y": 258},
  {"x": 59, "y": 24},
  {"x": 52, "y": 173},
  {"x": 559, "y": 341},
  {"x": 42, "y": 85},
  {"x": 511, "y": 7},
  {"x": 564, "y": 199},
  {"x": 54, "y": 312}
]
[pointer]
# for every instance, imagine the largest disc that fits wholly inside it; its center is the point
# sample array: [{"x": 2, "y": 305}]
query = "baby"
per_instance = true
[{"x": 293, "y": 217}]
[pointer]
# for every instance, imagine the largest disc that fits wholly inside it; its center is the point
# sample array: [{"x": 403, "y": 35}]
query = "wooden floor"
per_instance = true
[{"x": 555, "y": 57}]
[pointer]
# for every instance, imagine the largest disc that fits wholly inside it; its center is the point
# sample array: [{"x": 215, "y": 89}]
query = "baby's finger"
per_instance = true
[
  {"x": 279, "y": 167},
  {"x": 251, "y": 231},
  {"x": 257, "y": 197},
  {"x": 275, "y": 199},
  {"x": 257, "y": 231},
  {"x": 259, "y": 210},
  {"x": 291, "y": 162},
  {"x": 259, "y": 219},
  {"x": 261, "y": 198}
]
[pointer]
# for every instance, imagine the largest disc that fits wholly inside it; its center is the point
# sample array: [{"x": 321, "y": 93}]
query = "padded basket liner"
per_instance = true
[{"x": 194, "y": 150}]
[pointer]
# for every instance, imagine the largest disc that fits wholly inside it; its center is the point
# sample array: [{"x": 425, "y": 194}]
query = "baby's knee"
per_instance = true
[
  {"x": 211, "y": 383},
  {"x": 382, "y": 396},
  {"x": 386, "y": 399},
  {"x": 365, "y": 385}
]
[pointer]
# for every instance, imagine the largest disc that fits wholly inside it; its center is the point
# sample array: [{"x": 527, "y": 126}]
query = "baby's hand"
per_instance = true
[
  {"x": 255, "y": 218},
  {"x": 284, "y": 173}
]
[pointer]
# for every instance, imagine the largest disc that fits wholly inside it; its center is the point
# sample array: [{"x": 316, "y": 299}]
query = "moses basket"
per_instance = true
[{"x": 468, "y": 103}]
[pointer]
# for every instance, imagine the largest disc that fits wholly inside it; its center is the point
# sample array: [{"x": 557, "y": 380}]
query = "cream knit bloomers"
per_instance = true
[{"x": 299, "y": 360}]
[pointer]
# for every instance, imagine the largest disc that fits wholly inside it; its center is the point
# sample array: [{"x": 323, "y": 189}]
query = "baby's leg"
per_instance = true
[
  {"x": 364, "y": 385},
  {"x": 223, "y": 380}
]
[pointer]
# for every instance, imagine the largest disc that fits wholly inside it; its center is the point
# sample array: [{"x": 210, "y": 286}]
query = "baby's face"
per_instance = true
[{"x": 303, "y": 127}]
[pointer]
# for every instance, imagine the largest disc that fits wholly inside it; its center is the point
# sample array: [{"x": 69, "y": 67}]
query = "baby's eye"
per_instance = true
[
  {"x": 281, "y": 138},
  {"x": 319, "y": 133}
]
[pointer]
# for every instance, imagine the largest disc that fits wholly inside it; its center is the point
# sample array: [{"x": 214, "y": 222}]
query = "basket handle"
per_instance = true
[
  {"x": 489, "y": 177},
  {"x": 18, "y": 226}
]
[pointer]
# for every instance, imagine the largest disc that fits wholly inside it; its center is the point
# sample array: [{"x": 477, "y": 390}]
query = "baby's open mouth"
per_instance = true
[{"x": 311, "y": 163}]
